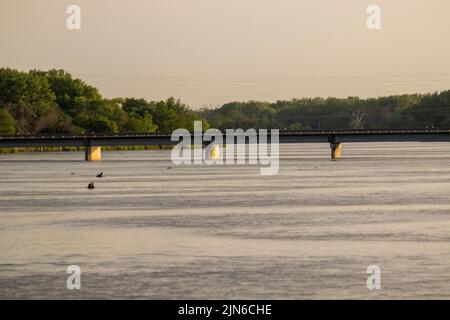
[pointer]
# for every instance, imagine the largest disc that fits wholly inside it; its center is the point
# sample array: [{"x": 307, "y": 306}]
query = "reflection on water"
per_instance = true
[{"x": 225, "y": 231}]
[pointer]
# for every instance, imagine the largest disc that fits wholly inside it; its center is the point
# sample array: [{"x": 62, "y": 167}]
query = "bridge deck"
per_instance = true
[{"x": 165, "y": 139}]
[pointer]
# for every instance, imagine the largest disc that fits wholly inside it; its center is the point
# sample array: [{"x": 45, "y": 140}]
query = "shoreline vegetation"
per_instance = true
[{"x": 79, "y": 149}]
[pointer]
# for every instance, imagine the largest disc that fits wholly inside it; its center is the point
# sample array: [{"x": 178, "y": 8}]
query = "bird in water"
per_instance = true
[
  {"x": 100, "y": 175},
  {"x": 91, "y": 186},
  {"x": 169, "y": 168}
]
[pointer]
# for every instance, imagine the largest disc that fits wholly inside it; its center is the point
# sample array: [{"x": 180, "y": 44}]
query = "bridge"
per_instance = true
[{"x": 93, "y": 143}]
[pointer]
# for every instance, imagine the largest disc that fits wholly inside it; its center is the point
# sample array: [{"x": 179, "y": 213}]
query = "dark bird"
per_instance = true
[
  {"x": 100, "y": 175},
  {"x": 91, "y": 185},
  {"x": 169, "y": 168},
  {"x": 72, "y": 173}
]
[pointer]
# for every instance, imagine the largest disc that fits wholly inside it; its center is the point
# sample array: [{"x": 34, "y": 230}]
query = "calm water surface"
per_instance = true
[{"x": 226, "y": 232}]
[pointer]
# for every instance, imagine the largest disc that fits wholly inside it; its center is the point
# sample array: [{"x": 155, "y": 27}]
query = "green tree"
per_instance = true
[
  {"x": 7, "y": 123},
  {"x": 133, "y": 124},
  {"x": 69, "y": 92},
  {"x": 171, "y": 114},
  {"x": 140, "y": 115},
  {"x": 27, "y": 97},
  {"x": 103, "y": 125}
]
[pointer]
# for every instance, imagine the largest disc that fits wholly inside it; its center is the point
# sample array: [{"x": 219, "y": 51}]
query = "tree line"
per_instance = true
[
  {"x": 55, "y": 102},
  {"x": 414, "y": 111}
]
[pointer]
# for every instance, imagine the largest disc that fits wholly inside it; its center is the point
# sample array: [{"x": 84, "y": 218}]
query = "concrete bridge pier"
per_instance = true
[
  {"x": 92, "y": 153},
  {"x": 336, "y": 150},
  {"x": 213, "y": 152}
]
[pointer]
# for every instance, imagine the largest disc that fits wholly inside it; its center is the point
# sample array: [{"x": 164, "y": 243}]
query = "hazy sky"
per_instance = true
[{"x": 207, "y": 52}]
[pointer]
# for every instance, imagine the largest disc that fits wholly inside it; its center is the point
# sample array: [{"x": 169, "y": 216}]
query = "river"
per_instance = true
[{"x": 226, "y": 232}]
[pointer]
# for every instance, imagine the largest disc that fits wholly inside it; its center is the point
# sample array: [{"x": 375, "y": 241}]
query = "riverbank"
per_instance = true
[{"x": 76, "y": 149}]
